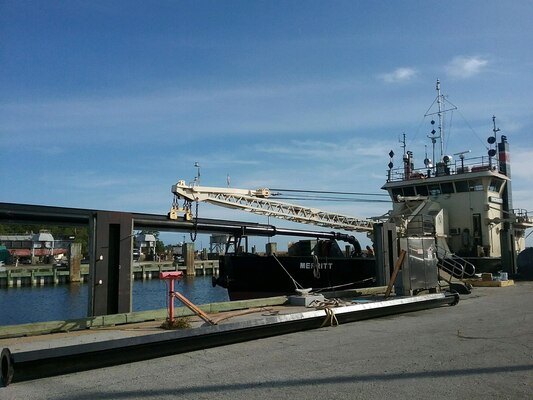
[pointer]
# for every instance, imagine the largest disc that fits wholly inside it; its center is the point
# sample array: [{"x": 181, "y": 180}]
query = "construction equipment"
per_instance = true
[{"x": 258, "y": 201}]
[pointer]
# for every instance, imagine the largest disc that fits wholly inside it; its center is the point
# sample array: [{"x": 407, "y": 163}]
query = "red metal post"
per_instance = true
[
  {"x": 170, "y": 276},
  {"x": 171, "y": 301}
]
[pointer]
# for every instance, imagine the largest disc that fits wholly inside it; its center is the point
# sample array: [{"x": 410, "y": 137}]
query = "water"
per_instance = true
[{"x": 62, "y": 302}]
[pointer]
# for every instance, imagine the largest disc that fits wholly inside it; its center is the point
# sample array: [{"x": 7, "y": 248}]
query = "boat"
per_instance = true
[
  {"x": 462, "y": 204},
  {"x": 468, "y": 200},
  {"x": 319, "y": 265}
]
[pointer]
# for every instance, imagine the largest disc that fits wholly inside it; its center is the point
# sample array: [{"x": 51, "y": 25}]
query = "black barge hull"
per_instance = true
[{"x": 248, "y": 276}]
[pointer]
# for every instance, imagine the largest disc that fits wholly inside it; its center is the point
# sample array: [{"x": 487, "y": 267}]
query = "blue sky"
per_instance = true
[{"x": 106, "y": 104}]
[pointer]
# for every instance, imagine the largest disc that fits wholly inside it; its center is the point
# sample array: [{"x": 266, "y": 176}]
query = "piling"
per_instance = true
[
  {"x": 271, "y": 248},
  {"x": 75, "y": 262},
  {"x": 188, "y": 256}
]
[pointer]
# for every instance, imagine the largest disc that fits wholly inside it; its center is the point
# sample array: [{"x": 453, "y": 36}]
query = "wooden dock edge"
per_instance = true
[{"x": 42, "y": 328}]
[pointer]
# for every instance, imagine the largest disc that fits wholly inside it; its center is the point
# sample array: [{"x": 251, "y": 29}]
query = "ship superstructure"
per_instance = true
[{"x": 465, "y": 202}]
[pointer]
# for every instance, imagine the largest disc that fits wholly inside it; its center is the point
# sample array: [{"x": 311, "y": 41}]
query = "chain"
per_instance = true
[{"x": 194, "y": 233}]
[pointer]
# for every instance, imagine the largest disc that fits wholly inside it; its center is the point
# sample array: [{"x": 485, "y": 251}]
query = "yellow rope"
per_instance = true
[{"x": 331, "y": 318}]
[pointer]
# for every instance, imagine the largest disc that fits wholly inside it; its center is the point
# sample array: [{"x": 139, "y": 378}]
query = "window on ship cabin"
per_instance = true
[
  {"x": 475, "y": 185},
  {"x": 434, "y": 190},
  {"x": 447, "y": 187},
  {"x": 409, "y": 191},
  {"x": 396, "y": 192},
  {"x": 495, "y": 185},
  {"x": 461, "y": 186},
  {"x": 422, "y": 190}
]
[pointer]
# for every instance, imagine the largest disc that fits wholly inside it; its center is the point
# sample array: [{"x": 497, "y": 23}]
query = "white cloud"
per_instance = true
[
  {"x": 344, "y": 151},
  {"x": 399, "y": 75},
  {"x": 465, "y": 67}
]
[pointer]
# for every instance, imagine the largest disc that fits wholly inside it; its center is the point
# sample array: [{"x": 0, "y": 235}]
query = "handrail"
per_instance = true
[
  {"x": 522, "y": 216},
  {"x": 455, "y": 266},
  {"x": 456, "y": 167}
]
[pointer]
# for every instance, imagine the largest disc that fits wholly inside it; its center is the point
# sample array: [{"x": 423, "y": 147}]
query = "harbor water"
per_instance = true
[{"x": 23, "y": 305}]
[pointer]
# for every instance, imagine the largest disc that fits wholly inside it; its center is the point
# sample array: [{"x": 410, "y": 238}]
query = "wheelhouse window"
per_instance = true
[
  {"x": 461, "y": 186},
  {"x": 409, "y": 191},
  {"x": 396, "y": 192},
  {"x": 447, "y": 187},
  {"x": 475, "y": 185},
  {"x": 434, "y": 190},
  {"x": 495, "y": 185},
  {"x": 422, "y": 190}
]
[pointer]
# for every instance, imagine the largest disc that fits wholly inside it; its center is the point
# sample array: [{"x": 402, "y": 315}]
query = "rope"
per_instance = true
[
  {"x": 344, "y": 285},
  {"x": 331, "y": 318},
  {"x": 296, "y": 284},
  {"x": 323, "y": 304},
  {"x": 328, "y": 306},
  {"x": 316, "y": 267}
]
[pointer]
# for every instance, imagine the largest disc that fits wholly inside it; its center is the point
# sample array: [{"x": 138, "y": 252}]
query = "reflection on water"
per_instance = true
[
  {"x": 57, "y": 303},
  {"x": 153, "y": 294}
]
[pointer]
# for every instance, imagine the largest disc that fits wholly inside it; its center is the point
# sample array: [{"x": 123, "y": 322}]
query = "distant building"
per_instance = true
[
  {"x": 33, "y": 247},
  {"x": 145, "y": 243}
]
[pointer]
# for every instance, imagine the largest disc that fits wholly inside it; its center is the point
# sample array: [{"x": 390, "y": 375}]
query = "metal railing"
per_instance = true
[
  {"x": 455, "y": 266},
  {"x": 522, "y": 216},
  {"x": 467, "y": 165}
]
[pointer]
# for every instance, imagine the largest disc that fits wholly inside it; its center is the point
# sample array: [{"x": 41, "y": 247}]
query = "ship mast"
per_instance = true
[
  {"x": 441, "y": 126},
  {"x": 441, "y": 109}
]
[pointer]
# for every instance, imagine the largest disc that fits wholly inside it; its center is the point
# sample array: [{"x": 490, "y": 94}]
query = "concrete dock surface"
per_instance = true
[{"x": 481, "y": 348}]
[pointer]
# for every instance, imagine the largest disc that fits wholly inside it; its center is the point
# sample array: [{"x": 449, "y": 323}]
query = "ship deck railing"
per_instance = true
[
  {"x": 522, "y": 216},
  {"x": 456, "y": 167}
]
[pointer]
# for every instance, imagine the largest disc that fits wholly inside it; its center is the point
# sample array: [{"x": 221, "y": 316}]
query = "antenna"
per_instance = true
[
  {"x": 406, "y": 158},
  {"x": 402, "y": 141},
  {"x": 197, "y": 178},
  {"x": 492, "y": 140},
  {"x": 461, "y": 155},
  {"x": 441, "y": 109},
  {"x": 441, "y": 130},
  {"x": 494, "y": 129},
  {"x": 427, "y": 162}
]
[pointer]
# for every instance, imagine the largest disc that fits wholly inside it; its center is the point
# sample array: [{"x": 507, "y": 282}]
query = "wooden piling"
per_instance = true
[{"x": 75, "y": 262}]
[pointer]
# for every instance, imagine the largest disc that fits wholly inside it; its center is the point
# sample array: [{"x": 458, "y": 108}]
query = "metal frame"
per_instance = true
[{"x": 110, "y": 278}]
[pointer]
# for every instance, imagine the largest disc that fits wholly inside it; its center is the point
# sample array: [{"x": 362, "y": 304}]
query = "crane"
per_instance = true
[{"x": 258, "y": 201}]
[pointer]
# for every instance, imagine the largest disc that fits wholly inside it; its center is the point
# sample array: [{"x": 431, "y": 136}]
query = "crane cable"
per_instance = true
[
  {"x": 322, "y": 195},
  {"x": 329, "y": 192}
]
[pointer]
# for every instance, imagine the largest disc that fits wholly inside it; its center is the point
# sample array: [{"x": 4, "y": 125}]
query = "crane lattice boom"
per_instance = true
[{"x": 258, "y": 202}]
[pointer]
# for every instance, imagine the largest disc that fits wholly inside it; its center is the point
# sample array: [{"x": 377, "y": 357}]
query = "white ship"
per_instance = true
[{"x": 466, "y": 201}]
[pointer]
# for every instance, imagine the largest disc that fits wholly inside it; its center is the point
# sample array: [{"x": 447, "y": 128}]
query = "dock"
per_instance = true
[
  {"x": 40, "y": 275},
  {"x": 293, "y": 314},
  {"x": 473, "y": 350}
]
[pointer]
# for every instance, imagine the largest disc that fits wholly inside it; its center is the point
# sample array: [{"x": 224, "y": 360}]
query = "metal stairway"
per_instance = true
[{"x": 453, "y": 269}]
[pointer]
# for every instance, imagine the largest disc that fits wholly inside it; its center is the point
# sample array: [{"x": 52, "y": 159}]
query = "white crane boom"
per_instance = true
[{"x": 258, "y": 202}]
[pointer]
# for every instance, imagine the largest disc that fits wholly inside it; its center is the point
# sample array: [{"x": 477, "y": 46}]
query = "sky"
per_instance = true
[{"x": 107, "y": 104}]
